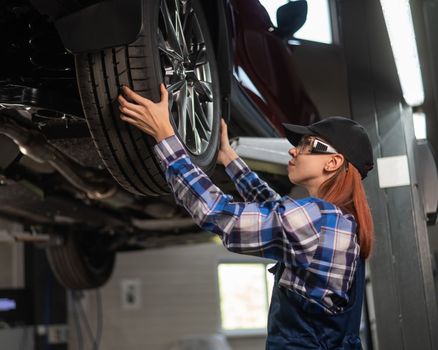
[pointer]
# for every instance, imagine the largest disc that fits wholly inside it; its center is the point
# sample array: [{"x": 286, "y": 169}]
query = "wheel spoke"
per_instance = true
[
  {"x": 179, "y": 30},
  {"x": 191, "y": 115},
  {"x": 204, "y": 90},
  {"x": 187, "y": 18},
  {"x": 202, "y": 119},
  {"x": 182, "y": 111},
  {"x": 199, "y": 57},
  {"x": 171, "y": 101},
  {"x": 172, "y": 35},
  {"x": 164, "y": 47},
  {"x": 187, "y": 26},
  {"x": 176, "y": 86}
]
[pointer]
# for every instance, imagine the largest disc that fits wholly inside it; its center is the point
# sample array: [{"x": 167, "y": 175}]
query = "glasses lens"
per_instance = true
[{"x": 304, "y": 146}]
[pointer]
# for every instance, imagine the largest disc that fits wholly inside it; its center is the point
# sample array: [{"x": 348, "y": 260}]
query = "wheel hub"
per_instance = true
[{"x": 180, "y": 71}]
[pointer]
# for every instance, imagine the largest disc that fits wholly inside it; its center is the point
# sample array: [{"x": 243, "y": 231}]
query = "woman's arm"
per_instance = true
[
  {"x": 250, "y": 228},
  {"x": 281, "y": 230},
  {"x": 249, "y": 185}
]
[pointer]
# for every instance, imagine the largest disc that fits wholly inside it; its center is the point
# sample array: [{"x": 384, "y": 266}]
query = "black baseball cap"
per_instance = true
[{"x": 347, "y": 136}]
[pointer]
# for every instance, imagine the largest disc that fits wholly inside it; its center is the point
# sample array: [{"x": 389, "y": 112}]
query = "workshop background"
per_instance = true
[{"x": 198, "y": 295}]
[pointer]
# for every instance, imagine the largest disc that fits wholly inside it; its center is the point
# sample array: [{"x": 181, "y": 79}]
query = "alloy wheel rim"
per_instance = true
[{"x": 186, "y": 72}]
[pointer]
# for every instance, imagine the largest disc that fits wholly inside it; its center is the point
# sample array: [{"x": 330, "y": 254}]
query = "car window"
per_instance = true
[{"x": 318, "y": 25}]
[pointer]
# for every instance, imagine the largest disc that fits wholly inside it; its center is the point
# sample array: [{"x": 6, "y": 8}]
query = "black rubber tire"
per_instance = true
[
  {"x": 74, "y": 268},
  {"x": 126, "y": 152}
]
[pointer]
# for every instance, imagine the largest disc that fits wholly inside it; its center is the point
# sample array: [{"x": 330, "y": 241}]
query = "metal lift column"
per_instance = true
[{"x": 401, "y": 273}]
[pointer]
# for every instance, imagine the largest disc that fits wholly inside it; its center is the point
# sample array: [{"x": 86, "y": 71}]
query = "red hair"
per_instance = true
[{"x": 345, "y": 190}]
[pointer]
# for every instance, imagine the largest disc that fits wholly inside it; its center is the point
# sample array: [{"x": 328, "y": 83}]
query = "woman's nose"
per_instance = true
[{"x": 293, "y": 152}]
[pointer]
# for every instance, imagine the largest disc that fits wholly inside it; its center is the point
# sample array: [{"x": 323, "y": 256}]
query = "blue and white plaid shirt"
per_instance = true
[{"x": 316, "y": 242}]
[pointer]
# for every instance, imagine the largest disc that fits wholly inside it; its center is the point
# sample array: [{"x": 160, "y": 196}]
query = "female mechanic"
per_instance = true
[{"x": 320, "y": 242}]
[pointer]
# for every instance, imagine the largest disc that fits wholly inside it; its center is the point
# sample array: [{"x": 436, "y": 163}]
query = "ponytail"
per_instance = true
[{"x": 345, "y": 190}]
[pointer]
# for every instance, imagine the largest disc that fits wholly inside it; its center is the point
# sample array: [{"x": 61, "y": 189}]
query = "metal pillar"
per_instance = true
[{"x": 401, "y": 273}]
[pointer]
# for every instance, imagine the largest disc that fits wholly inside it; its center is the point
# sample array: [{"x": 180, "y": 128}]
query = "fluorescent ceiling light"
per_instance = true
[
  {"x": 419, "y": 119},
  {"x": 398, "y": 21}
]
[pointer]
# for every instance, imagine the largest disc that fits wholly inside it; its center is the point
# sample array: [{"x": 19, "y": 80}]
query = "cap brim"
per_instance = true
[{"x": 294, "y": 133}]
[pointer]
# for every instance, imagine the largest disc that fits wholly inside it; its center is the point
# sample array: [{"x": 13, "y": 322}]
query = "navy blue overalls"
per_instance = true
[{"x": 296, "y": 323}]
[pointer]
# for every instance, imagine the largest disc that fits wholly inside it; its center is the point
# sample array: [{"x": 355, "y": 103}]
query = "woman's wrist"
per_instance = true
[
  {"x": 228, "y": 156},
  {"x": 164, "y": 134}
]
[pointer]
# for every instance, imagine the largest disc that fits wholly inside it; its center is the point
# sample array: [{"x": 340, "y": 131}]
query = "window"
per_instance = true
[
  {"x": 245, "y": 292},
  {"x": 318, "y": 24}
]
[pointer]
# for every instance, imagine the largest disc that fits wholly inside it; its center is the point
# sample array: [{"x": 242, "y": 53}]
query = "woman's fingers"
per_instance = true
[
  {"x": 140, "y": 100},
  {"x": 131, "y": 113},
  {"x": 126, "y": 118},
  {"x": 133, "y": 122},
  {"x": 164, "y": 94},
  {"x": 224, "y": 133},
  {"x": 132, "y": 95},
  {"x": 150, "y": 117},
  {"x": 224, "y": 126},
  {"x": 124, "y": 103}
]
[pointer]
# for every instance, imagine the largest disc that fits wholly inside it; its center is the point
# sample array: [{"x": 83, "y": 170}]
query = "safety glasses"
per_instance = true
[{"x": 313, "y": 145}]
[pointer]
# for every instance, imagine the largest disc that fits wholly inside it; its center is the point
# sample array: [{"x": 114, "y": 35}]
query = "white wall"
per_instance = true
[{"x": 179, "y": 298}]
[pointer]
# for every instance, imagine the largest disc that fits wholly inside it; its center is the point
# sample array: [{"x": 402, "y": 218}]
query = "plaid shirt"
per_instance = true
[{"x": 316, "y": 242}]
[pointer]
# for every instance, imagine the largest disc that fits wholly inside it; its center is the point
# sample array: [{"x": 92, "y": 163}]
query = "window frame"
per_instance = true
[
  {"x": 246, "y": 260},
  {"x": 334, "y": 27}
]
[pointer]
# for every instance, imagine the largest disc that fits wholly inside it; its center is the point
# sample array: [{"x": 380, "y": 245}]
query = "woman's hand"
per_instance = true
[
  {"x": 226, "y": 153},
  {"x": 151, "y": 118}
]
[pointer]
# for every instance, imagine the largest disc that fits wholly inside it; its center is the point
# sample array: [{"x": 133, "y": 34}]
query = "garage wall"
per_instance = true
[{"x": 179, "y": 298}]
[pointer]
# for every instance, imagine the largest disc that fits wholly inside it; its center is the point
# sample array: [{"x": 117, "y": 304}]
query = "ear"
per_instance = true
[{"x": 334, "y": 163}]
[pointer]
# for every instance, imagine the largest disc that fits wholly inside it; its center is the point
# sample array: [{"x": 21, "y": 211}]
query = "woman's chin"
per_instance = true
[{"x": 292, "y": 179}]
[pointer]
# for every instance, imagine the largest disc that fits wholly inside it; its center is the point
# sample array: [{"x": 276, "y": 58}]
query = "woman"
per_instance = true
[{"x": 320, "y": 242}]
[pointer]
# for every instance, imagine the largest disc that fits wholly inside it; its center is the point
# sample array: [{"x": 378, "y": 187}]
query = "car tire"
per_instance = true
[
  {"x": 76, "y": 267},
  {"x": 142, "y": 65}
]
